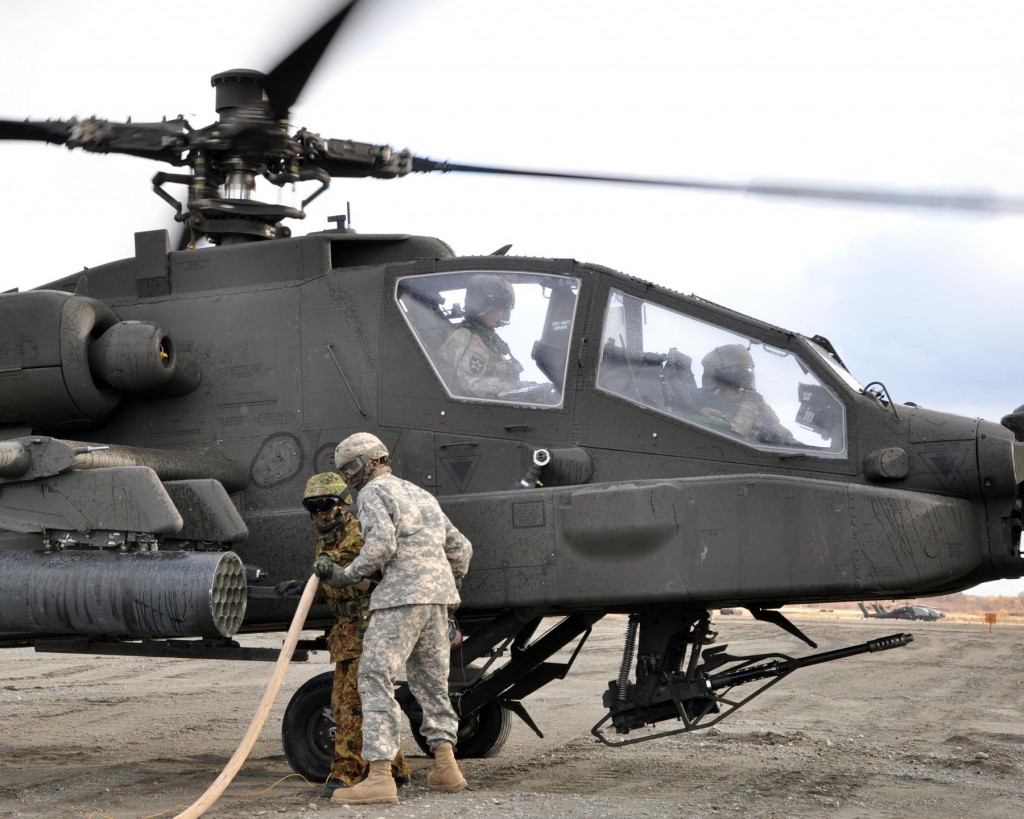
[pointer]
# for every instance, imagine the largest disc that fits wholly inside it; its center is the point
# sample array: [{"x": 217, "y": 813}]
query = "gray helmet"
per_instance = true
[
  {"x": 487, "y": 292},
  {"x": 730, "y": 365},
  {"x": 361, "y": 447}
]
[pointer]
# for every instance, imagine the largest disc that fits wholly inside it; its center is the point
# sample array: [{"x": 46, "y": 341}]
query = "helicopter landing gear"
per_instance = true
[
  {"x": 308, "y": 728},
  {"x": 481, "y": 734}
]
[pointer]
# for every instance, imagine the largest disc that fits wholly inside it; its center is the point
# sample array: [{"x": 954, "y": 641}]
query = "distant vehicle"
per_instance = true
[{"x": 909, "y": 612}]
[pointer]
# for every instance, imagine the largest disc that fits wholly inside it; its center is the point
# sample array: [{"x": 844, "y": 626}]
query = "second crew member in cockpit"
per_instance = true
[
  {"x": 477, "y": 361},
  {"x": 728, "y": 395}
]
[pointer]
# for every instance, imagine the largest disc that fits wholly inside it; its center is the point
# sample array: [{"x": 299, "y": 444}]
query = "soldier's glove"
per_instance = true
[
  {"x": 331, "y": 573},
  {"x": 323, "y": 566},
  {"x": 290, "y": 588}
]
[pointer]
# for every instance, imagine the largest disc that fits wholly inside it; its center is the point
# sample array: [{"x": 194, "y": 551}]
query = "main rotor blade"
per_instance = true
[
  {"x": 285, "y": 82},
  {"x": 913, "y": 199},
  {"x": 164, "y": 141},
  {"x": 48, "y": 131}
]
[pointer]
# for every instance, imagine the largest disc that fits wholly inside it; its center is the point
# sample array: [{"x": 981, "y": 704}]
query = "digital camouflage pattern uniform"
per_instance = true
[
  {"x": 477, "y": 361},
  {"x": 422, "y": 558},
  {"x": 337, "y": 535}
]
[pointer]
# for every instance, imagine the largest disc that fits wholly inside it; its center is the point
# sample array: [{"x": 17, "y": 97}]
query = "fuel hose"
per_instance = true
[{"x": 213, "y": 793}]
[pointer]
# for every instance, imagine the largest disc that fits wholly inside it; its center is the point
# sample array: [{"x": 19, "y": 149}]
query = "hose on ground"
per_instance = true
[{"x": 213, "y": 793}]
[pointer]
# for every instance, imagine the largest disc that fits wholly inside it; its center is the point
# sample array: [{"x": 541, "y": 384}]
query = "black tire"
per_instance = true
[
  {"x": 308, "y": 728},
  {"x": 481, "y": 734}
]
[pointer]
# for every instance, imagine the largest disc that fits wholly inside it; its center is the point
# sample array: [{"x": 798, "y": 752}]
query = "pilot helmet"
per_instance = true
[
  {"x": 487, "y": 292},
  {"x": 730, "y": 365},
  {"x": 353, "y": 454}
]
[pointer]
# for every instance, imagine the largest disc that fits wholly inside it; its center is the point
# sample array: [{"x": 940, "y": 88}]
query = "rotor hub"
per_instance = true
[{"x": 240, "y": 88}]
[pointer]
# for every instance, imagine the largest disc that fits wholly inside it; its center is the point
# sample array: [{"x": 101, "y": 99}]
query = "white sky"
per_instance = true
[{"x": 915, "y": 94}]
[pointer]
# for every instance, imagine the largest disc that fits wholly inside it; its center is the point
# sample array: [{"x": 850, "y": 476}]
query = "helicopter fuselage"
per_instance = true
[{"x": 640, "y": 502}]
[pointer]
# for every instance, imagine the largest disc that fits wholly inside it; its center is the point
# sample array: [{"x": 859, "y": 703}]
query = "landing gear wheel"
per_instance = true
[
  {"x": 308, "y": 729},
  {"x": 481, "y": 734}
]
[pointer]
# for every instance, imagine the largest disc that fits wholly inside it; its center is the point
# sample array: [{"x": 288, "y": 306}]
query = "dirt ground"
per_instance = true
[{"x": 934, "y": 729}]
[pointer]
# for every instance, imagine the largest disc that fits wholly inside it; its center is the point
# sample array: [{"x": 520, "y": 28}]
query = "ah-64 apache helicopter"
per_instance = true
[
  {"x": 649, "y": 453},
  {"x": 911, "y": 611}
]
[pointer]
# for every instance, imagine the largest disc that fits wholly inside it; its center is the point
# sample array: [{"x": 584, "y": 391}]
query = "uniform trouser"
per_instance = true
[
  {"x": 349, "y": 766},
  {"x": 417, "y": 636}
]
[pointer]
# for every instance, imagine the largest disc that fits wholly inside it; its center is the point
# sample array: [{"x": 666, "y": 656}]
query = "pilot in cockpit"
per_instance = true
[
  {"x": 728, "y": 396},
  {"x": 477, "y": 361}
]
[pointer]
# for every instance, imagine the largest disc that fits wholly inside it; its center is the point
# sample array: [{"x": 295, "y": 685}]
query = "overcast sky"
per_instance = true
[{"x": 914, "y": 94}]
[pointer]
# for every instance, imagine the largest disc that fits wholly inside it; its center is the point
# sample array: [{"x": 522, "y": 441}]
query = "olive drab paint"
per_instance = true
[{"x": 607, "y": 445}]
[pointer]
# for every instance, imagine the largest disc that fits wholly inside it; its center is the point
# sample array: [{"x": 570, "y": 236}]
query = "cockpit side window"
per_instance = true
[
  {"x": 732, "y": 385},
  {"x": 497, "y": 337}
]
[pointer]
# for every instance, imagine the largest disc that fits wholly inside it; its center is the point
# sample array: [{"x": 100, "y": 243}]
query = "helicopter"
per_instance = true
[
  {"x": 162, "y": 411},
  {"x": 915, "y": 611}
]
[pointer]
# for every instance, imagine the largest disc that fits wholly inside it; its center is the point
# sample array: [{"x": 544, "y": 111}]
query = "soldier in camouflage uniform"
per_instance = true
[
  {"x": 727, "y": 396},
  {"x": 327, "y": 499},
  {"x": 422, "y": 558},
  {"x": 477, "y": 361}
]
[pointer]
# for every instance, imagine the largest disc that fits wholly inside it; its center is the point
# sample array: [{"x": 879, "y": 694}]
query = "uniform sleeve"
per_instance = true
[
  {"x": 468, "y": 361},
  {"x": 321, "y": 596},
  {"x": 379, "y": 541},
  {"x": 452, "y": 351},
  {"x": 343, "y": 553},
  {"x": 351, "y": 543},
  {"x": 457, "y": 549}
]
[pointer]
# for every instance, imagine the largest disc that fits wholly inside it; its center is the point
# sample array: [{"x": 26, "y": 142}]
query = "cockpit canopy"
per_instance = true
[
  {"x": 727, "y": 383},
  {"x": 503, "y": 337},
  {"x": 494, "y": 336}
]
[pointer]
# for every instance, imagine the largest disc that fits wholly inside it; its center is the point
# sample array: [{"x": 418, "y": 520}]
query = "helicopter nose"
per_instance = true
[
  {"x": 1000, "y": 461},
  {"x": 1001, "y": 470}
]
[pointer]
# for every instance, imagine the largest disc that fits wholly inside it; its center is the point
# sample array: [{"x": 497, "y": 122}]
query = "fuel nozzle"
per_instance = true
[{"x": 531, "y": 480}]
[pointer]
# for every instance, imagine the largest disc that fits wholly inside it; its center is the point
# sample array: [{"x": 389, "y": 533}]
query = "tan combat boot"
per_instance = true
[
  {"x": 377, "y": 789},
  {"x": 446, "y": 775}
]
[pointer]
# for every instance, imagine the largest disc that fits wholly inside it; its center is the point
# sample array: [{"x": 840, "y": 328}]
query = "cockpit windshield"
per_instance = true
[
  {"x": 836, "y": 367},
  {"x": 499, "y": 337},
  {"x": 714, "y": 378}
]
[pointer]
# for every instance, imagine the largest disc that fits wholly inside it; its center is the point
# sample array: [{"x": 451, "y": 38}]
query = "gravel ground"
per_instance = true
[{"x": 935, "y": 729}]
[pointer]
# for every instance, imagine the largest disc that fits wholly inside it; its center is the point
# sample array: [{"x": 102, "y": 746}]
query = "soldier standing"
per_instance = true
[
  {"x": 422, "y": 558},
  {"x": 327, "y": 499}
]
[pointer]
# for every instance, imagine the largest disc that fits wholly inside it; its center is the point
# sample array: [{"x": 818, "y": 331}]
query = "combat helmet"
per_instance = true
[
  {"x": 353, "y": 454},
  {"x": 324, "y": 491},
  {"x": 730, "y": 365},
  {"x": 487, "y": 292},
  {"x": 327, "y": 484}
]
